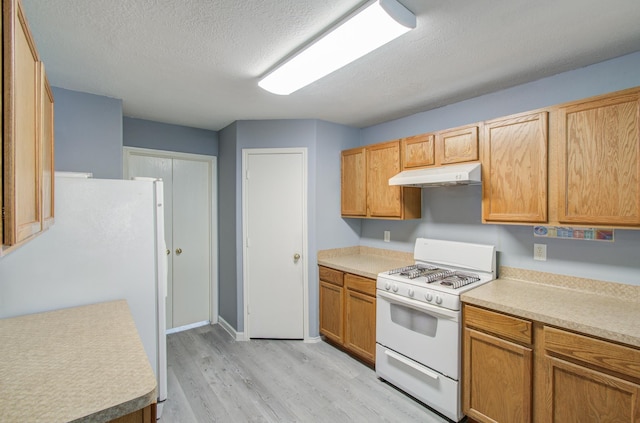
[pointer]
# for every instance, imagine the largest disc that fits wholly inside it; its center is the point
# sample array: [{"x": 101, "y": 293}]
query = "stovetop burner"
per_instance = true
[
  {"x": 435, "y": 275},
  {"x": 459, "y": 279},
  {"x": 429, "y": 274}
]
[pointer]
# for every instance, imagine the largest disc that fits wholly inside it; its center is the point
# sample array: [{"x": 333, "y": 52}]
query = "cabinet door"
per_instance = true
[
  {"x": 599, "y": 161},
  {"x": 353, "y": 183},
  {"x": 360, "y": 325},
  {"x": 457, "y": 145},
  {"x": 47, "y": 149},
  {"x": 576, "y": 394},
  {"x": 21, "y": 159},
  {"x": 383, "y": 162},
  {"x": 145, "y": 415},
  {"x": 332, "y": 311},
  {"x": 515, "y": 169},
  {"x": 497, "y": 379},
  {"x": 418, "y": 151},
  {"x": 360, "y": 320}
]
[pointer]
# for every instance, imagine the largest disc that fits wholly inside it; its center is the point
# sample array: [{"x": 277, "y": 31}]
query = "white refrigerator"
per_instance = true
[{"x": 107, "y": 243}]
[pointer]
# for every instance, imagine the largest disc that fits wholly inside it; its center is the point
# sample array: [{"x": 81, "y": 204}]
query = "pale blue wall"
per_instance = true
[
  {"x": 454, "y": 213},
  {"x": 332, "y": 230},
  {"x": 163, "y": 136},
  {"x": 227, "y": 222},
  {"x": 88, "y": 133}
]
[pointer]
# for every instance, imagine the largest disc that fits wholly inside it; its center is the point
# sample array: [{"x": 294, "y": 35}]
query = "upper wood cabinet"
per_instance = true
[
  {"x": 451, "y": 146},
  {"x": 21, "y": 158},
  {"x": 418, "y": 151},
  {"x": 354, "y": 183},
  {"x": 365, "y": 184},
  {"x": 514, "y": 169},
  {"x": 599, "y": 160},
  {"x": 383, "y": 162},
  {"x": 27, "y": 136},
  {"x": 457, "y": 145},
  {"x": 47, "y": 144}
]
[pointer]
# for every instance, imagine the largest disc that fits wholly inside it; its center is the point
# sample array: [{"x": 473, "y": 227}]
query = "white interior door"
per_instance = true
[
  {"x": 274, "y": 225},
  {"x": 191, "y": 251},
  {"x": 189, "y": 208}
]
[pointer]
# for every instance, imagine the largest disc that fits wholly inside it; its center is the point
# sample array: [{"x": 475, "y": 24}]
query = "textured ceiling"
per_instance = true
[{"x": 197, "y": 62}]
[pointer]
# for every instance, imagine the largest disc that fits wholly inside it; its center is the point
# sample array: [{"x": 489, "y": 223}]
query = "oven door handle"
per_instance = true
[
  {"x": 420, "y": 306},
  {"x": 411, "y": 363}
]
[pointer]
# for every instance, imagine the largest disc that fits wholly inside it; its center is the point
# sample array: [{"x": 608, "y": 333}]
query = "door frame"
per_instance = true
[
  {"x": 305, "y": 237},
  {"x": 213, "y": 236}
]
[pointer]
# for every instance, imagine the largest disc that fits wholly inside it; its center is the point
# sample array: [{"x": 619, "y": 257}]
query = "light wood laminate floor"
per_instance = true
[{"x": 213, "y": 378}]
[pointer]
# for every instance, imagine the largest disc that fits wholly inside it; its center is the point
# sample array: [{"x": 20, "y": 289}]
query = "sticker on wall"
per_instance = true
[{"x": 565, "y": 232}]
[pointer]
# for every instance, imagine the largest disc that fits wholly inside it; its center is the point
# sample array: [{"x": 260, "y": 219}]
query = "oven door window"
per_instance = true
[{"x": 414, "y": 320}]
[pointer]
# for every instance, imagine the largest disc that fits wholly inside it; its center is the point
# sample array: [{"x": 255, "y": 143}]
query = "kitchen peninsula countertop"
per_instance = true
[
  {"x": 364, "y": 261},
  {"x": 82, "y": 364},
  {"x": 603, "y": 309}
]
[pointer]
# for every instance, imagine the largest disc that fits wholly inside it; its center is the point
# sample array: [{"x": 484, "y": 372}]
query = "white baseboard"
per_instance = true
[
  {"x": 238, "y": 336},
  {"x": 313, "y": 340},
  {"x": 187, "y": 327}
]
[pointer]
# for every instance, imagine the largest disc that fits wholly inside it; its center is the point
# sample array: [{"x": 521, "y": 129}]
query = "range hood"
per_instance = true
[{"x": 461, "y": 174}]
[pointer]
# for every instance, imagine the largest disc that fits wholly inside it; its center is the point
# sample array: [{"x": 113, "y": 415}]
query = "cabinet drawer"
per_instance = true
[
  {"x": 509, "y": 327},
  {"x": 603, "y": 354},
  {"x": 358, "y": 283},
  {"x": 331, "y": 275}
]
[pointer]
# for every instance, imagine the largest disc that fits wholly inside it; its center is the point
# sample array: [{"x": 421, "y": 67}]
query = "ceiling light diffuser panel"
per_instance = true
[{"x": 370, "y": 27}]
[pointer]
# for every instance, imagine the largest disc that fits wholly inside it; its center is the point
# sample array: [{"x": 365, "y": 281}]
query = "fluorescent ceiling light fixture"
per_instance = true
[{"x": 372, "y": 26}]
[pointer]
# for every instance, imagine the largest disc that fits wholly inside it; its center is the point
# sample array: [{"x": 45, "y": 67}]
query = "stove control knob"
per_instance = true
[
  {"x": 387, "y": 286},
  {"x": 428, "y": 297},
  {"x": 395, "y": 287},
  {"x": 438, "y": 300},
  {"x": 411, "y": 292}
]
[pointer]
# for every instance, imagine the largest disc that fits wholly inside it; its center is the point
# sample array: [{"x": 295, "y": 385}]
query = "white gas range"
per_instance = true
[{"x": 418, "y": 320}]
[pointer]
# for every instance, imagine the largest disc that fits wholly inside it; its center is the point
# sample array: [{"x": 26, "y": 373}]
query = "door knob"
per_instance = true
[
  {"x": 296, "y": 257},
  {"x": 178, "y": 251}
]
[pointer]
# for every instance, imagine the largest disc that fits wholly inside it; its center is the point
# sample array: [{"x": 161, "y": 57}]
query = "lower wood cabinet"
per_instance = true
[
  {"x": 588, "y": 380},
  {"x": 516, "y": 370},
  {"x": 348, "y": 312},
  {"x": 360, "y": 321},
  {"x": 331, "y": 304},
  {"x": 144, "y": 415},
  {"x": 498, "y": 361}
]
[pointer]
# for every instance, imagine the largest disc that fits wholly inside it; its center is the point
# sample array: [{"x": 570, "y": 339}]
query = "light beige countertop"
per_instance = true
[
  {"x": 602, "y": 309},
  {"x": 364, "y": 261},
  {"x": 84, "y": 364}
]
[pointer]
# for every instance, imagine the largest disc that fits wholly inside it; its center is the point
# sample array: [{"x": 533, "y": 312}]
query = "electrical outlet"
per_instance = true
[
  {"x": 387, "y": 236},
  {"x": 540, "y": 252}
]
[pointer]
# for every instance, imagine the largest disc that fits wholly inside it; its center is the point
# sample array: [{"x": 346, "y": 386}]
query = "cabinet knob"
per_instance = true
[
  {"x": 178, "y": 251},
  {"x": 168, "y": 251},
  {"x": 296, "y": 257}
]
